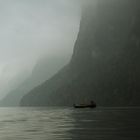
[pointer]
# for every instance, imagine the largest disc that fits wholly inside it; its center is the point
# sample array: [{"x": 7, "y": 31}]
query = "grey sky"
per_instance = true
[{"x": 30, "y": 29}]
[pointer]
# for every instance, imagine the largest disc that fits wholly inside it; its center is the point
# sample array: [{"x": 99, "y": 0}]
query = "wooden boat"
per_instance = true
[
  {"x": 84, "y": 106},
  {"x": 91, "y": 105}
]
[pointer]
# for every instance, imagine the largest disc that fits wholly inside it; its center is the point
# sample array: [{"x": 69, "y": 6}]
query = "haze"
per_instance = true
[{"x": 31, "y": 29}]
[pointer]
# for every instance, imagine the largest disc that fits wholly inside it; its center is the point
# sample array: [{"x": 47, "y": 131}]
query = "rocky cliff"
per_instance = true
[
  {"x": 105, "y": 65},
  {"x": 43, "y": 70}
]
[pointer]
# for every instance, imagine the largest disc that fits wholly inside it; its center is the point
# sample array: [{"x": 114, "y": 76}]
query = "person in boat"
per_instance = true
[{"x": 92, "y": 103}]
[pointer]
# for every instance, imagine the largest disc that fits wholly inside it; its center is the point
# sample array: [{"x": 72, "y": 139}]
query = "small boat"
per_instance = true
[
  {"x": 91, "y": 105},
  {"x": 84, "y": 106}
]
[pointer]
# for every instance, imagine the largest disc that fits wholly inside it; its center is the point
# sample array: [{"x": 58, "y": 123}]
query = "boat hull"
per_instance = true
[{"x": 84, "y": 106}]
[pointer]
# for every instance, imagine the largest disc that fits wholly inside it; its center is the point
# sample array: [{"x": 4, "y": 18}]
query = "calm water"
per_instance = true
[{"x": 69, "y": 124}]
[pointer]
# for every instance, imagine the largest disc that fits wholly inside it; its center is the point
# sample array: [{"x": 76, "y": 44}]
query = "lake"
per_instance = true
[{"x": 54, "y": 123}]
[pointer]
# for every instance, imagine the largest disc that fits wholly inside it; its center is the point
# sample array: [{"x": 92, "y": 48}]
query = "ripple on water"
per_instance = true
[{"x": 69, "y": 123}]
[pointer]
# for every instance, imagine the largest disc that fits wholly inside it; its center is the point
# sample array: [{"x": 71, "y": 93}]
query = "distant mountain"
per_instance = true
[
  {"x": 105, "y": 65},
  {"x": 44, "y": 69}
]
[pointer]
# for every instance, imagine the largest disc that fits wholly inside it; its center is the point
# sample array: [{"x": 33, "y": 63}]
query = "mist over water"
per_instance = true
[{"x": 35, "y": 31}]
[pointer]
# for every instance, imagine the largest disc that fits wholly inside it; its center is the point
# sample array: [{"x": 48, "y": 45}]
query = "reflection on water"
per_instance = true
[
  {"x": 68, "y": 123},
  {"x": 107, "y": 124}
]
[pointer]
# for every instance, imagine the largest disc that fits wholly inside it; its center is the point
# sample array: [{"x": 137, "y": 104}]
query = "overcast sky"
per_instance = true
[{"x": 30, "y": 29}]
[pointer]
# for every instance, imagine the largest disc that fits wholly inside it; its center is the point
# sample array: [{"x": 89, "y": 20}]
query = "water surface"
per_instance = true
[{"x": 69, "y": 124}]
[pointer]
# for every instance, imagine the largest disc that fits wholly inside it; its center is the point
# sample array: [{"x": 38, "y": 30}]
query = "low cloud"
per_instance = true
[{"x": 31, "y": 29}]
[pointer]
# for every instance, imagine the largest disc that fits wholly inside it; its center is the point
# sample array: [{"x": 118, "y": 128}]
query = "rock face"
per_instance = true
[
  {"x": 105, "y": 65},
  {"x": 44, "y": 69}
]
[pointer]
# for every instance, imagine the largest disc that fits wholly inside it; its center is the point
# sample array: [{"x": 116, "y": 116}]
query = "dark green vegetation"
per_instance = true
[{"x": 105, "y": 65}]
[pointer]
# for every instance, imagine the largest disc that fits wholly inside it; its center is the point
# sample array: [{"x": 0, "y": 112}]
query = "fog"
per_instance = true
[{"x": 31, "y": 29}]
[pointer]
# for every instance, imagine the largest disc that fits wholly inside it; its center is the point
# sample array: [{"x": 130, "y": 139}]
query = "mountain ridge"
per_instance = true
[
  {"x": 42, "y": 71},
  {"x": 105, "y": 63}
]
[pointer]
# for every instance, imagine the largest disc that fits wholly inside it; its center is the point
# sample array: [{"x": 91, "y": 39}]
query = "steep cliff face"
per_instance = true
[
  {"x": 105, "y": 64},
  {"x": 43, "y": 70}
]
